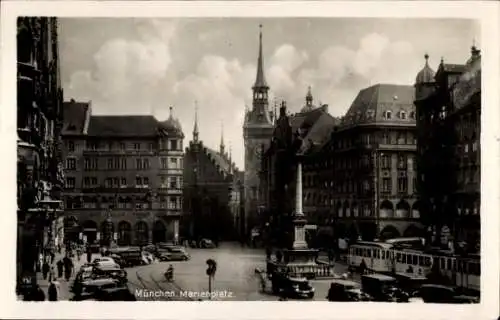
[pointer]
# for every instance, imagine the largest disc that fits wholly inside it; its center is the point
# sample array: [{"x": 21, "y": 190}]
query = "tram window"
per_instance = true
[
  {"x": 415, "y": 260},
  {"x": 378, "y": 254},
  {"x": 420, "y": 260},
  {"x": 428, "y": 262},
  {"x": 454, "y": 265},
  {"x": 398, "y": 257},
  {"x": 443, "y": 263},
  {"x": 404, "y": 259},
  {"x": 459, "y": 266},
  {"x": 383, "y": 254},
  {"x": 448, "y": 264}
]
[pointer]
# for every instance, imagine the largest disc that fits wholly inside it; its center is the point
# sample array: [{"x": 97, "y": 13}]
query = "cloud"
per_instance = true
[{"x": 126, "y": 73}]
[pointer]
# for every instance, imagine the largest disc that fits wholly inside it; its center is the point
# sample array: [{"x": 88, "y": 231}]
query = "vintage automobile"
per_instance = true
[
  {"x": 87, "y": 288},
  {"x": 110, "y": 272},
  {"x": 206, "y": 244},
  {"x": 345, "y": 290},
  {"x": 383, "y": 288},
  {"x": 291, "y": 287},
  {"x": 105, "y": 261},
  {"x": 410, "y": 283},
  {"x": 173, "y": 254},
  {"x": 434, "y": 293},
  {"x": 119, "y": 293},
  {"x": 147, "y": 257},
  {"x": 130, "y": 256}
]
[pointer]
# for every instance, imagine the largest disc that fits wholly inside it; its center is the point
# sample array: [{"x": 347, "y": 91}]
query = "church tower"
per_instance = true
[{"x": 257, "y": 133}]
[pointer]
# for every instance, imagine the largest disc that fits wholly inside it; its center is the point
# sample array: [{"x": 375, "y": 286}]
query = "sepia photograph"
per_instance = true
[{"x": 311, "y": 159}]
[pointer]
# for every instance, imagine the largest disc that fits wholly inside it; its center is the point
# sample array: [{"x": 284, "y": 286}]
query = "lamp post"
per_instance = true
[{"x": 109, "y": 229}]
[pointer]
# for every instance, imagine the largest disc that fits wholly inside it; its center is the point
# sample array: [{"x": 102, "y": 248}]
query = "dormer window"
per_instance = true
[
  {"x": 402, "y": 115},
  {"x": 412, "y": 115},
  {"x": 388, "y": 114},
  {"x": 370, "y": 113}
]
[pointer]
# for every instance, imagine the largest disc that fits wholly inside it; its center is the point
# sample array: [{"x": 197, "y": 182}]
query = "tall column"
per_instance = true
[{"x": 299, "y": 219}]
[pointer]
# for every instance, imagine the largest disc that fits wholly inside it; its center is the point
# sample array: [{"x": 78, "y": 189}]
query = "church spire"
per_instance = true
[
  {"x": 195, "y": 130},
  {"x": 260, "y": 80},
  {"x": 222, "y": 147},
  {"x": 309, "y": 97}
]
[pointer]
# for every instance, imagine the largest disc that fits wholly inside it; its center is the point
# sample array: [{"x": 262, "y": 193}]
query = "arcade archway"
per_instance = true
[
  {"x": 389, "y": 232},
  {"x": 159, "y": 232},
  {"x": 124, "y": 233},
  {"x": 141, "y": 233},
  {"x": 89, "y": 229}
]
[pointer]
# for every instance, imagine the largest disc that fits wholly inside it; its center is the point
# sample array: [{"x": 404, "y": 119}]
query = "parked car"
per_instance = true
[
  {"x": 105, "y": 261},
  {"x": 86, "y": 289},
  {"x": 173, "y": 254},
  {"x": 383, "y": 288},
  {"x": 344, "y": 290},
  {"x": 147, "y": 257},
  {"x": 130, "y": 256},
  {"x": 434, "y": 293},
  {"x": 291, "y": 287},
  {"x": 111, "y": 272},
  {"x": 206, "y": 244}
]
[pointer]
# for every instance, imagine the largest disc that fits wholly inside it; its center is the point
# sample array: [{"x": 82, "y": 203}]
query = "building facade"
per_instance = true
[
  {"x": 257, "y": 133},
  {"x": 123, "y": 182},
  {"x": 212, "y": 192},
  {"x": 39, "y": 158},
  {"x": 293, "y": 135},
  {"x": 364, "y": 176},
  {"x": 448, "y": 106}
]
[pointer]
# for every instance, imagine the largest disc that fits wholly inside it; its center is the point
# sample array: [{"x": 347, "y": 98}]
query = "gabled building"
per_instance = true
[
  {"x": 448, "y": 107},
  {"x": 213, "y": 192},
  {"x": 293, "y": 135},
  {"x": 123, "y": 177}
]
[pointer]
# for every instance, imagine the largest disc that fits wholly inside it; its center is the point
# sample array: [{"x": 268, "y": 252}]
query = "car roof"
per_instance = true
[
  {"x": 100, "y": 281},
  {"x": 298, "y": 279},
  {"x": 345, "y": 282},
  {"x": 379, "y": 276}
]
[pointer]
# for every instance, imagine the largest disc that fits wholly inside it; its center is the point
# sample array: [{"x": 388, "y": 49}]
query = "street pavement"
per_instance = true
[{"x": 235, "y": 278}]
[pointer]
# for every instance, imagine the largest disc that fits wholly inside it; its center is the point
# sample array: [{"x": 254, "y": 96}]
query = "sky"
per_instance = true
[{"x": 145, "y": 66}]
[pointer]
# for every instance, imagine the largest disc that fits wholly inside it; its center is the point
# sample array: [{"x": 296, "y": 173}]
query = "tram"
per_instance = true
[{"x": 400, "y": 256}]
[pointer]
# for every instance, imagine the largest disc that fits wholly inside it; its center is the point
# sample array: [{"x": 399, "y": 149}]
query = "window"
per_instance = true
[
  {"x": 173, "y": 144},
  {"x": 173, "y": 163},
  {"x": 110, "y": 163},
  {"x": 70, "y": 182},
  {"x": 474, "y": 146},
  {"x": 151, "y": 147},
  {"x": 110, "y": 146},
  {"x": 124, "y": 163},
  {"x": 402, "y": 184},
  {"x": 116, "y": 182},
  {"x": 122, "y": 146},
  {"x": 117, "y": 163},
  {"x": 386, "y": 162},
  {"x": 180, "y": 182},
  {"x": 164, "y": 163},
  {"x": 145, "y": 181},
  {"x": 173, "y": 182},
  {"x": 138, "y": 164},
  {"x": 386, "y": 185},
  {"x": 466, "y": 148},
  {"x": 388, "y": 115},
  {"x": 385, "y": 138},
  {"x": 145, "y": 164},
  {"x": 71, "y": 146},
  {"x": 70, "y": 164},
  {"x": 137, "y": 146},
  {"x": 94, "y": 181},
  {"x": 402, "y": 115},
  {"x": 402, "y": 162},
  {"x": 124, "y": 182},
  {"x": 86, "y": 182},
  {"x": 88, "y": 165},
  {"x": 95, "y": 163},
  {"x": 108, "y": 183},
  {"x": 163, "y": 181},
  {"x": 412, "y": 115},
  {"x": 172, "y": 202}
]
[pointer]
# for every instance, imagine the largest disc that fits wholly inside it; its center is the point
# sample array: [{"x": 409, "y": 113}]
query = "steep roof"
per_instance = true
[
  {"x": 75, "y": 114},
  {"x": 123, "y": 126},
  {"x": 372, "y": 103},
  {"x": 220, "y": 160}
]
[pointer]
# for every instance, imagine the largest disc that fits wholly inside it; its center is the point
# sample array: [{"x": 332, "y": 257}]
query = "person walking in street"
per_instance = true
[
  {"x": 89, "y": 254},
  {"x": 68, "y": 268},
  {"x": 52, "y": 256},
  {"x": 45, "y": 269},
  {"x": 52, "y": 291},
  {"x": 79, "y": 253},
  {"x": 60, "y": 266},
  {"x": 330, "y": 256}
]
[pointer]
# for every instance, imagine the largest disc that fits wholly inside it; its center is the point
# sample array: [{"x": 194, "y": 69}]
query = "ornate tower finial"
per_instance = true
[
  {"x": 222, "y": 147},
  {"x": 260, "y": 80},
  {"x": 195, "y": 129},
  {"x": 309, "y": 97},
  {"x": 171, "y": 112},
  {"x": 426, "y": 56}
]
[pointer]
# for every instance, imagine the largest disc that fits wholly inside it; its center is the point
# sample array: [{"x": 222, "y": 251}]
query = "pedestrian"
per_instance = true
[
  {"x": 52, "y": 256},
  {"x": 362, "y": 267},
  {"x": 68, "y": 268},
  {"x": 60, "y": 266},
  {"x": 38, "y": 295},
  {"x": 45, "y": 270},
  {"x": 89, "y": 255},
  {"x": 78, "y": 253},
  {"x": 330, "y": 256},
  {"x": 52, "y": 291}
]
